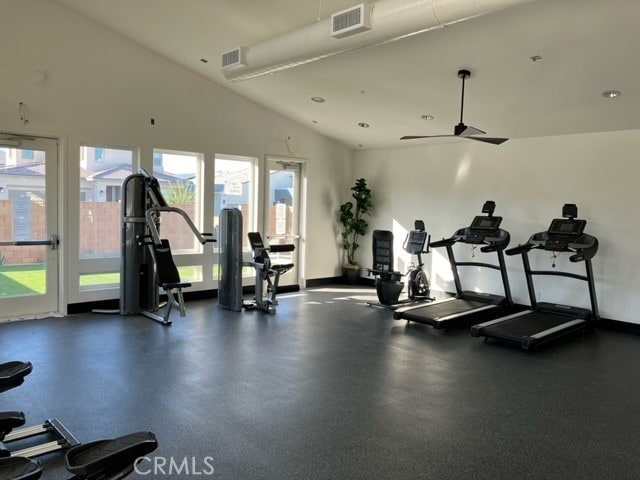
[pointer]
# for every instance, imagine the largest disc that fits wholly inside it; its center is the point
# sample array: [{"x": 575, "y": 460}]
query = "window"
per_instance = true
[
  {"x": 235, "y": 187},
  {"x": 114, "y": 193},
  {"x": 179, "y": 175},
  {"x": 100, "y": 196}
]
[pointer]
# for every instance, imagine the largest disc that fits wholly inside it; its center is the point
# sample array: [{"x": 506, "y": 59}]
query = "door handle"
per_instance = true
[{"x": 53, "y": 242}]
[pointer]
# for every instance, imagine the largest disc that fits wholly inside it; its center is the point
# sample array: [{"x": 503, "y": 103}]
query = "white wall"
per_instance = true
[
  {"x": 100, "y": 88},
  {"x": 530, "y": 180}
]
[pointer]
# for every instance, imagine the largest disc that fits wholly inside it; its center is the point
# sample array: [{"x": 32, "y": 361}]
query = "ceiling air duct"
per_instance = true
[{"x": 367, "y": 24}]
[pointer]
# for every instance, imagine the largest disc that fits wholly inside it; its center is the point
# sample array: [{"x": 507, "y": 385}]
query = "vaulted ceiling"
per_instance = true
[{"x": 538, "y": 68}]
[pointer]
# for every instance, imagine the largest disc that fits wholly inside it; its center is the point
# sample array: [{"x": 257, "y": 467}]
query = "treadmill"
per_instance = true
[
  {"x": 467, "y": 306},
  {"x": 545, "y": 322}
]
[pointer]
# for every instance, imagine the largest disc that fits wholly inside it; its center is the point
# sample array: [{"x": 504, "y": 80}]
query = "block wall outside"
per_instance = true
[
  {"x": 100, "y": 230},
  {"x": 22, "y": 255}
]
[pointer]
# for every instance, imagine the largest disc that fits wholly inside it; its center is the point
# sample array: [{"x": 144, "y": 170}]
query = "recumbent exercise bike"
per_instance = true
[{"x": 388, "y": 281}]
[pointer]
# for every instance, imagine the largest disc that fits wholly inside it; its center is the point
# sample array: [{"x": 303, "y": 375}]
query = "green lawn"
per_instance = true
[{"x": 20, "y": 280}]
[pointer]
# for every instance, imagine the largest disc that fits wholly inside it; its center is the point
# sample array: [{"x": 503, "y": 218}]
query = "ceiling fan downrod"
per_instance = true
[{"x": 463, "y": 74}]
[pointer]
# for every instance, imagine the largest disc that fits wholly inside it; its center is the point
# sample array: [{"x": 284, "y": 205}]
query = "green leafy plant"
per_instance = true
[
  {"x": 181, "y": 193},
  {"x": 352, "y": 215}
]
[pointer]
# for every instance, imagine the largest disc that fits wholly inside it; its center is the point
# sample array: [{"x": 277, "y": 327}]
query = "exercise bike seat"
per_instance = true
[
  {"x": 19, "y": 468},
  {"x": 110, "y": 459},
  {"x": 12, "y": 374}
]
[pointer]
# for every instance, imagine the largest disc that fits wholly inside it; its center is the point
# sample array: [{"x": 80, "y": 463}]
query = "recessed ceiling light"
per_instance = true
[
  {"x": 317, "y": 99},
  {"x": 426, "y": 117},
  {"x": 363, "y": 125},
  {"x": 611, "y": 93},
  {"x": 204, "y": 60}
]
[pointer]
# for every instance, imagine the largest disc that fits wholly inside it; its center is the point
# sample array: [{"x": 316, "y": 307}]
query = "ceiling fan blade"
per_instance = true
[
  {"x": 462, "y": 130},
  {"x": 494, "y": 141},
  {"x": 468, "y": 131},
  {"x": 413, "y": 137}
]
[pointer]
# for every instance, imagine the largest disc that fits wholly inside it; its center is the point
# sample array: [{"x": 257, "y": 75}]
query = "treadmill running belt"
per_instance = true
[
  {"x": 526, "y": 325},
  {"x": 444, "y": 309}
]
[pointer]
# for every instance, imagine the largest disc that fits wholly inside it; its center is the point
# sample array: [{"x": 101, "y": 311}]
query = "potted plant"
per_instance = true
[{"x": 354, "y": 225}]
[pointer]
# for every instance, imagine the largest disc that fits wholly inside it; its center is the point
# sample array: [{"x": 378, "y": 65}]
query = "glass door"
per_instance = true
[
  {"x": 28, "y": 226},
  {"x": 282, "y": 212}
]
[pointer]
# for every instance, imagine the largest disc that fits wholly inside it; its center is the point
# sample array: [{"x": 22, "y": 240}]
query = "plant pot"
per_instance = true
[{"x": 351, "y": 274}]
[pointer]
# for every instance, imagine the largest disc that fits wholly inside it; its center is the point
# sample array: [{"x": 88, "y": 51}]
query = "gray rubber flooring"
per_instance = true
[{"x": 330, "y": 388}]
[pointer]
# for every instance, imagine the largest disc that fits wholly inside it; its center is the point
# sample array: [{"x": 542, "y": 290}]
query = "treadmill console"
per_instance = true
[
  {"x": 481, "y": 228},
  {"x": 561, "y": 233},
  {"x": 566, "y": 235},
  {"x": 484, "y": 230}
]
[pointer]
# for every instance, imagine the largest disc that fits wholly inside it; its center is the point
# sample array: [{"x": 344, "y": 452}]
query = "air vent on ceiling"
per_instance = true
[
  {"x": 351, "y": 21},
  {"x": 234, "y": 58}
]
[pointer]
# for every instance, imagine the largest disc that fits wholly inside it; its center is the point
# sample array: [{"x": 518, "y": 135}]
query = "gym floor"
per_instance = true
[{"x": 330, "y": 388}]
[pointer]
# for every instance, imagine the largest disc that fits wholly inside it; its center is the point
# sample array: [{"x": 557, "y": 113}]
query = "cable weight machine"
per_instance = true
[{"x": 147, "y": 262}]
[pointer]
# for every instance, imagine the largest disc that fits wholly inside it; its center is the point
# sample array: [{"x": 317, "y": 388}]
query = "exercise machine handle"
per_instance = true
[
  {"x": 525, "y": 247},
  {"x": 281, "y": 247},
  {"x": 444, "y": 242},
  {"x": 149, "y": 214}
]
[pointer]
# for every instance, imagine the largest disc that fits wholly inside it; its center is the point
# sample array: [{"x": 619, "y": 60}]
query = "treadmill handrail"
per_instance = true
[
  {"x": 444, "y": 242},
  {"x": 584, "y": 246},
  {"x": 519, "y": 249}
]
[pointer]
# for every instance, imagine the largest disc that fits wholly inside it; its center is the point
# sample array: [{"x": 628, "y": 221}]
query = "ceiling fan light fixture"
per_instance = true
[{"x": 611, "y": 93}]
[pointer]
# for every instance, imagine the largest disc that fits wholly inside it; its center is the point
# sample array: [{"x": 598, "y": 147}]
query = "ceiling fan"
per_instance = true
[{"x": 462, "y": 130}]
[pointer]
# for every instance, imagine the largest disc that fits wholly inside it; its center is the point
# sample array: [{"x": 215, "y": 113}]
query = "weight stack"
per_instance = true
[{"x": 230, "y": 268}]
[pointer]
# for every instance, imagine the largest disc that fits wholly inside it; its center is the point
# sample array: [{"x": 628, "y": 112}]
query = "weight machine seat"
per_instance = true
[
  {"x": 19, "y": 468},
  {"x": 168, "y": 275},
  {"x": 266, "y": 271},
  {"x": 168, "y": 278},
  {"x": 281, "y": 268},
  {"x": 261, "y": 253},
  {"x": 110, "y": 459},
  {"x": 12, "y": 374}
]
